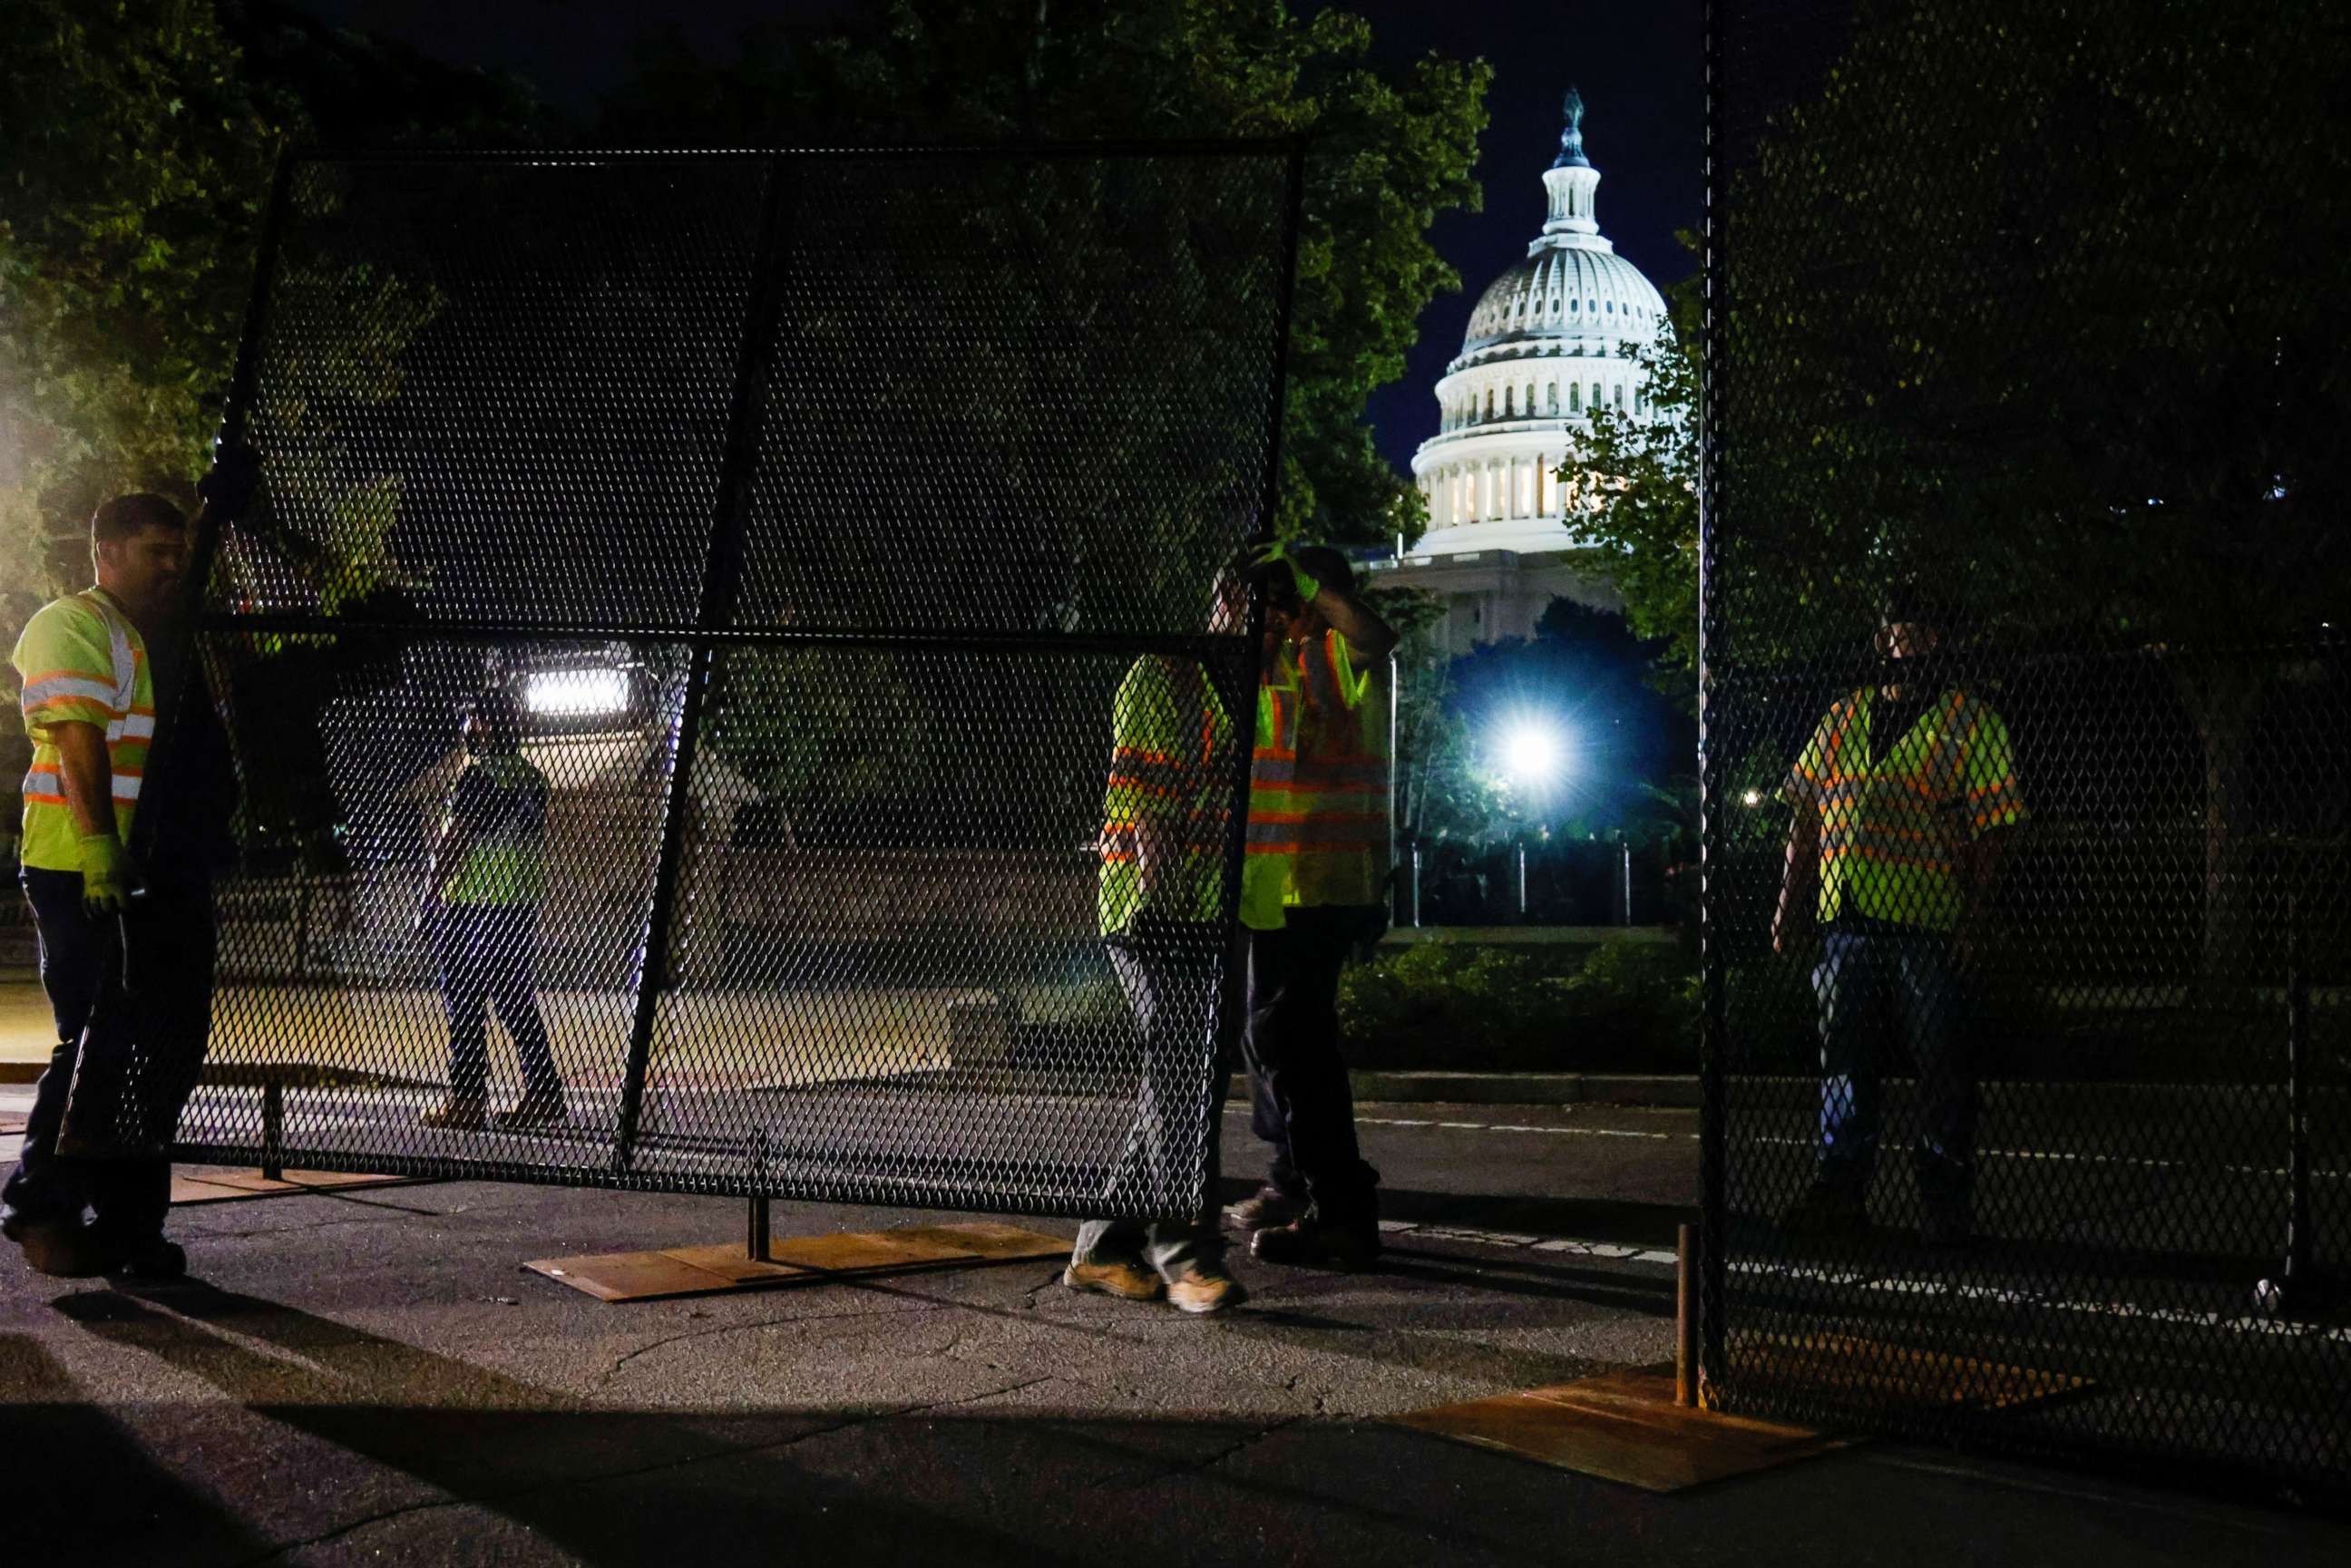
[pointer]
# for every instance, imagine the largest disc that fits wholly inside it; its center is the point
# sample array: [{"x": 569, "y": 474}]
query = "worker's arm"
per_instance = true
[
  {"x": 1791, "y": 923},
  {"x": 89, "y": 774},
  {"x": 108, "y": 875},
  {"x": 1978, "y": 865},
  {"x": 1370, "y": 636}
]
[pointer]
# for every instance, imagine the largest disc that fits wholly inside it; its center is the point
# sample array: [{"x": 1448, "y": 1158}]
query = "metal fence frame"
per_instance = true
[{"x": 712, "y": 632}]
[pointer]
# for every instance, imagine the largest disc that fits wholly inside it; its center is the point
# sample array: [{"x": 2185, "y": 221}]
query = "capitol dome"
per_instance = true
[{"x": 1547, "y": 344}]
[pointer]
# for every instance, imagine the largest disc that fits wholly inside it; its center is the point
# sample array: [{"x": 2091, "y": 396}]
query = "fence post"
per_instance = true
[
  {"x": 2298, "y": 1292},
  {"x": 721, "y": 579}
]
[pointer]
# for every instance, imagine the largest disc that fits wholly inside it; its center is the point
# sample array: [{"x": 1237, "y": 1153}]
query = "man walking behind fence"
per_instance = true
[
  {"x": 88, "y": 704},
  {"x": 489, "y": 874},
  {"x": 1904, "y": 802}
]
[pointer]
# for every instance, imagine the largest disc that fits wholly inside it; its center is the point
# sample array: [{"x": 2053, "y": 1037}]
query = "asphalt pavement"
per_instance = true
[{"x": 369, "y": 1377}]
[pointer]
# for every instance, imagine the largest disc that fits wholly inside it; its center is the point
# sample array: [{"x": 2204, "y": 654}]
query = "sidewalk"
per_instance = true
[{"x": 371, "y": 1378}]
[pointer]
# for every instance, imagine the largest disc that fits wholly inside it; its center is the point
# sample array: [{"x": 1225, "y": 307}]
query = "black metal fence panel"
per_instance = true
[
  {"x": 2027, "y": 729},
  {"x": 671, "y": 668}
]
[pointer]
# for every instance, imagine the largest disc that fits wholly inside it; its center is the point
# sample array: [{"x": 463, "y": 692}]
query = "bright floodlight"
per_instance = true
[
  {"x": 1533, "y": 754},
  {"x": 577, "y": 694}
]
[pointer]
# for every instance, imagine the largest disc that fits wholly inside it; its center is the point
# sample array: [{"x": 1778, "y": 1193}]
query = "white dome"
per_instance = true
[
  {"x": 1593, "y": 297},
  {"x": 1548, "y": 342}
]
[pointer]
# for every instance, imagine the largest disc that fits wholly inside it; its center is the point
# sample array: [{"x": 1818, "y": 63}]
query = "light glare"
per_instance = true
[{"x": 577, "y": 694}]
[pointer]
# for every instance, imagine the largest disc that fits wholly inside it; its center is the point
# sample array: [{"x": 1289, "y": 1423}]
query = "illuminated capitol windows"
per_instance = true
[{"x": 1546, "y": 346}]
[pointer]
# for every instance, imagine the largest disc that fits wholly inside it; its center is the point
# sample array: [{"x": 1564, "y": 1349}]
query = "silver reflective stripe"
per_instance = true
[
  {"x": 57, "y": 686},
  {"x": 126, "y": 662}
]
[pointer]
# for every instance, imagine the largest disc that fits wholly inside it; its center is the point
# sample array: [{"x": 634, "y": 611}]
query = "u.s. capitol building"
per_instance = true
[{"x": 1546, "y": 345}]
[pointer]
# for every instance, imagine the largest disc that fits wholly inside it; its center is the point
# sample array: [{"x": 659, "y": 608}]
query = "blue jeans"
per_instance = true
[
  {"x": 1173, "y": 990},
  {"x": 486, "y": 954},
  {"x": 1871, "y": 986}
]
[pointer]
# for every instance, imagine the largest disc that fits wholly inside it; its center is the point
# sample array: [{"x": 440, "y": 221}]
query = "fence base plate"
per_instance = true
[
  {"x": 798, "y": 1261},
  {"x": 209, "y": 1183},
  {"x": 1622, "y": 1426}
]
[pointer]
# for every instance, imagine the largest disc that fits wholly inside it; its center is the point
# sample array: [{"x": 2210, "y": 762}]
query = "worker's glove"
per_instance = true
[
  {"x": 1276, "y": 554},
  {"x": 229, "y": 489},
  {"x": 107, "y": 875}
]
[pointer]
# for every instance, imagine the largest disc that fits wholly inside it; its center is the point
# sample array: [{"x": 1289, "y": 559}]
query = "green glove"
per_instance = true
[
  {"x": 1277, "y": 554},
  {"x": 108, "y": 875}
]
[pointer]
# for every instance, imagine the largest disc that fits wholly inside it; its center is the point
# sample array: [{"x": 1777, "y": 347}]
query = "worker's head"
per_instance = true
[
  {"x": 139, "y": 552},
  {"x": 493, "y": 722},
  {"x": 1909, "y": 624},
  {"x": 1245, "y": 572},
  {"x": 1329, "y": 568}
]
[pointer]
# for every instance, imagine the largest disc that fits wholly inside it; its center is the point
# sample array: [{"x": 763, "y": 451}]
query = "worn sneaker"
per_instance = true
[
  {"x": 531, "y": 1112},
  {"x": 456, "y": 1115},
  {"x": 1127, "y": 1281},
  {"x": 1308, "y": 1243},
  {"x": 64, "y": 1248},
  {"x": 1826, "y": 1208},
  {"x": 1269, "y": 1206},
  {"x": 1199, "y": 1288}
]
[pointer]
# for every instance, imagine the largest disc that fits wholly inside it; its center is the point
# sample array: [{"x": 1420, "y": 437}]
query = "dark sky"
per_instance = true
[{"x": 1638, "y": 65}]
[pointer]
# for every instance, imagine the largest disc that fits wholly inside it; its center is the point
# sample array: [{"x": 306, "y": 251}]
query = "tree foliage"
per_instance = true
[
  {"x": 2072, "y": 343},
  {"x": 138, "y": 138}
]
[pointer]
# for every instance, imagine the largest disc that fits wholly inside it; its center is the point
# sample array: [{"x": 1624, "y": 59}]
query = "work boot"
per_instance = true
[
  {"x": 64, "y": 1248},
  {"x": 456, "y": 1116},
  {"x": 532, "y": 1112},
  {"x": 1308, "y": 1242},
  {"x": 1126, "y": 1280},
  {"x": 1827, "y": 1208},
  {"x": 1202, "y": 1288},
  {"x": 156, "y": 1261},
  {"x": 1269, "y": 1206}
]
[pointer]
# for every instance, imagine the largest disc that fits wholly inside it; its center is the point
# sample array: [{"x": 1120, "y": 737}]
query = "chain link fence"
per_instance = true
[
  {"x": 670, "y": 668},
  {"x": 2027, "y": 727}
]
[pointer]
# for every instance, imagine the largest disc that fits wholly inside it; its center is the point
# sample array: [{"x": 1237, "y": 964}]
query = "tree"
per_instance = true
[
  {"x": 2070, "y": 346},
  {"x": 1388, "y": 153},
  {"x": 138, "y": 162}
]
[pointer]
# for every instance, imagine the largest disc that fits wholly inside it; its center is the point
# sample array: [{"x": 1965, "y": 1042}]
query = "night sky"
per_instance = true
[{"x": 1638, "y": 66}]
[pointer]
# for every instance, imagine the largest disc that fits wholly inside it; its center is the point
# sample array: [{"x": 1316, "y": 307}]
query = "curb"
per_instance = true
[{"x": 1677, "y": 1091}]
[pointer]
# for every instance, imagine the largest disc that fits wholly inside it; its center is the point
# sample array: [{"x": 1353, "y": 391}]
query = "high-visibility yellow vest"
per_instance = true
[
  {"x": 1320, "y": 780},
  {"x": 81, "y": 660},
  {"x": 503, "y": 799},
  {"x": 1891, "y": 831},
  {"x": 1171, "y": 770}
]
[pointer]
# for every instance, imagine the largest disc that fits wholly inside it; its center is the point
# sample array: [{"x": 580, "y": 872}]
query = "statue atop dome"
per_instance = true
[{"x": 1571, "y": 140}]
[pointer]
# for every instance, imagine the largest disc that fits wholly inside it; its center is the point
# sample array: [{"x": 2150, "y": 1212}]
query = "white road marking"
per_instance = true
[{"x": 1898, "y": 1284}]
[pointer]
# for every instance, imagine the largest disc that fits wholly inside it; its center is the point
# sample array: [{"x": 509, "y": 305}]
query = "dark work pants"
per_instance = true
[
  {"x": 1301, "y": 1104},
  {"x": 145, "y": 1043},
  {"x": 1172, "y": 988},
  {"x": 1870, "y": 986},
  {"x": 487, "y": 955}
]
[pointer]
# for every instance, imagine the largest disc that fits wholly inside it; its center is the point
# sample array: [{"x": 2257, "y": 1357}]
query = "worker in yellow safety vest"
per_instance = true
[
  {"x": 1318, "y": 847},
  {"x": 1161, "y": 892},
  {"x": 88, "y": 704},
  {"x": 487, "y": 876},
  {"x": 1904, "y": 802}
]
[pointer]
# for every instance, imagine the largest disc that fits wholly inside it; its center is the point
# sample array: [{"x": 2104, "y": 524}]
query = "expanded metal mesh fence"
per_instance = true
[
  {"x": 2028, "y": 727},
  {"x": 670, "y": 670}
]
